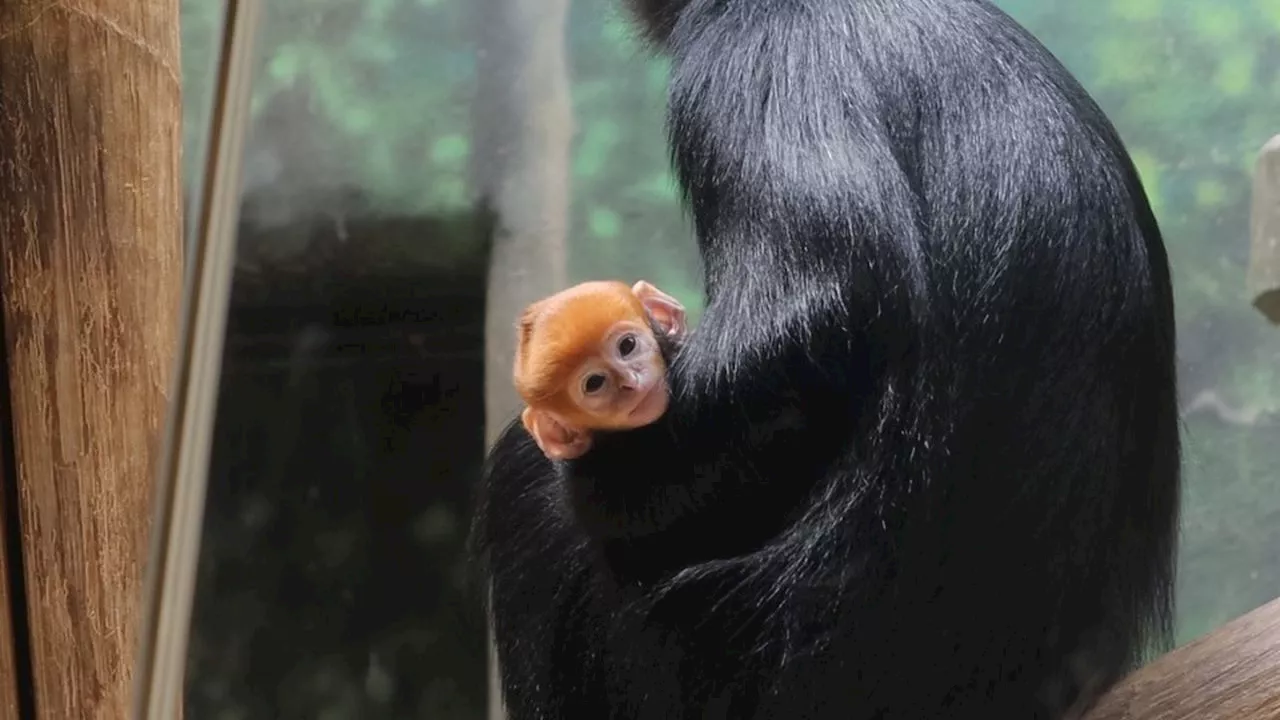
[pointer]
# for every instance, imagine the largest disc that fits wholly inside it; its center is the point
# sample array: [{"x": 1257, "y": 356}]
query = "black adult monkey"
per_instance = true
[{"x": 922, "y": 455}]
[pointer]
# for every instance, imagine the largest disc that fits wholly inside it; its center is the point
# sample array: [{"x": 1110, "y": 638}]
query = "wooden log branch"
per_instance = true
[
  {"x": 1233, "y": 673},
  {"x": 90, "y": 280},
  {"x": 1264, "y": 252}
]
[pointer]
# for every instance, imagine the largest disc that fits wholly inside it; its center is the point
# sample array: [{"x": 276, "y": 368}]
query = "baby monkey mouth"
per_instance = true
[{"x": 651, "y": 402}]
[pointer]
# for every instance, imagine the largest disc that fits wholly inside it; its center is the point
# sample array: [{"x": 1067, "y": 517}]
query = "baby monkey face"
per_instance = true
[
  {"x": 624, "y": 384},
  {"x": 589, "y": 358}
]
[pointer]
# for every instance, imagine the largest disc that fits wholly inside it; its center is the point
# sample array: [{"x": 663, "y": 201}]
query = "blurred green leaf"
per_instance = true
[
  {"x": 1235, "y": 72},
  {"x": 615, "y": 29},
  {"x": 658, "y": 75},
  {"x": 1210, "y": 193},
  {"x": 594, "y": 150},
  {"x": 1217, "y": 21},
  {"x": 1137, "y": 9},
  {"x": 285, "y": 64},
  {"x": 1270, "y": 10},
  {"x": 660, "y": 188},
  {"x": 604, "y": 223},
  {"x": 1149, "y": 171},
  {"x": 450, "y": 150}
]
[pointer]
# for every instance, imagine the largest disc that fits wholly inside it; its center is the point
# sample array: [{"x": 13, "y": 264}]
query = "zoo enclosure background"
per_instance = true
[{"x": 362, "y": 109}]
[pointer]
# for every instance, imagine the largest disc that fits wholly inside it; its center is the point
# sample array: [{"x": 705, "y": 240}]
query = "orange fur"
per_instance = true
[{"x": 559, "y": 333}]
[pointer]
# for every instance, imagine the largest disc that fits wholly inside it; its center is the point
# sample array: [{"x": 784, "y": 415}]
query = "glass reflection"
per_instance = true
[
  {"x": 201, "y": 23},
  {"x": 414, "y": 162}
]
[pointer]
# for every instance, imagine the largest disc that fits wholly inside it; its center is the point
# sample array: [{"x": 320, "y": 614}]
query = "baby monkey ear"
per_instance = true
[
  {"x": 665, "y": 310},
  {"x": 556, "y": 440}
]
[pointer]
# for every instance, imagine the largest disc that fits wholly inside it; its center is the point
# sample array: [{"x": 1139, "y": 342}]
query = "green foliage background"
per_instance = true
[{"x": 1193, "y": 85}]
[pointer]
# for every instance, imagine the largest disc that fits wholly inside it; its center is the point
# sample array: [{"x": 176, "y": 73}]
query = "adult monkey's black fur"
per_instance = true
[{"x": 922, "y": 458}]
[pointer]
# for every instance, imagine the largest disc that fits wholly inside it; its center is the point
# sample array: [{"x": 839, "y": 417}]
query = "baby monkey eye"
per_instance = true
[
  {"x": 593, "y": 383},
  {"x": 627, "y": 345}
]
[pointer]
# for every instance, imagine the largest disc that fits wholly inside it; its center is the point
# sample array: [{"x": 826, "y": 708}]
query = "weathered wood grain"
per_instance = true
[
  {"x": 90, "y": 278},
  {"x": 10, "y": 708},
  {"x": 1232, "y": 673}
]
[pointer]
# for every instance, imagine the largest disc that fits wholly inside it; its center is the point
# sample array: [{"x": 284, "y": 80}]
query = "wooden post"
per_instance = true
[
  {"x": 90, "y": 280},
  {"x": 10, "y": 708},
  {"x": 1264, "y": 254},
  {"x": 522, "y": 121}
]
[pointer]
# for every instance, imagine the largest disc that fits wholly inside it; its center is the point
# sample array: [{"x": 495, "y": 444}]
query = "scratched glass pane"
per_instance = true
[{"x": 393, "y": 140}]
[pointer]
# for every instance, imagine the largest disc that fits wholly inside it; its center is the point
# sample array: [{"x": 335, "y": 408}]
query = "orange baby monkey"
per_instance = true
[{"x": 587, "y": 359}]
